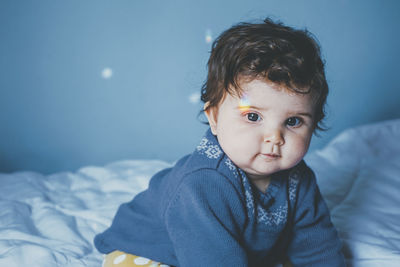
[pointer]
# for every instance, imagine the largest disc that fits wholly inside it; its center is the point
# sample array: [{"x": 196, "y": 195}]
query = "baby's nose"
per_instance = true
[{"x": 275, "y": 137}]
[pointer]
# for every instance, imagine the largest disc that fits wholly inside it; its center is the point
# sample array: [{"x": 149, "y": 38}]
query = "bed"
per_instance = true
[{"x": 50, "y": 220}]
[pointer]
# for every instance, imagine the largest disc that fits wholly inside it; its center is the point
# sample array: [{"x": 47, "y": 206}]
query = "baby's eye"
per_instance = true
[
  {"x": 293, "y": 122},
  {"x": 253, "y": 117}
]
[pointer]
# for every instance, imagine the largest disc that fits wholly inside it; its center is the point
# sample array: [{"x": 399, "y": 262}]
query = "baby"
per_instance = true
[{"x": 244, "y": 197}]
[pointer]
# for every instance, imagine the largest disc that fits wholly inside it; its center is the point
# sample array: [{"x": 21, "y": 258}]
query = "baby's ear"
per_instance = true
[{"x": 212, "y": 115}]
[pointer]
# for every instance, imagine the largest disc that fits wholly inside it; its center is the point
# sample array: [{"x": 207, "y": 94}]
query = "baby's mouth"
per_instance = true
[{"x": 270, "y": 155}]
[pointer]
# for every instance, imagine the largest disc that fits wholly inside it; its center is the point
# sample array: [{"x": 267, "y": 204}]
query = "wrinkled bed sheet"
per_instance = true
[
  {"x": 359, "y": 175},
  {"x": 50, "y": 220}
]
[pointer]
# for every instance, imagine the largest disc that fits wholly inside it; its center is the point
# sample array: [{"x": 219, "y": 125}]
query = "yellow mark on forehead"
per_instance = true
[{"x": 244, "y": 103}]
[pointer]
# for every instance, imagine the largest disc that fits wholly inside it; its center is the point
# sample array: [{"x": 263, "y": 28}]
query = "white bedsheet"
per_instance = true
[
  {"x": 51, "y": 220},
  {"x": 359, "y": 175}
]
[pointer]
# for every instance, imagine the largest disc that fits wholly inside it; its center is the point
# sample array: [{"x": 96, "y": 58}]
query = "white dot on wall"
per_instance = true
[
  {"x": 106, "y": 73},
  {"x": 208, "y": 36},
  {"x": 194, "y": 98}
]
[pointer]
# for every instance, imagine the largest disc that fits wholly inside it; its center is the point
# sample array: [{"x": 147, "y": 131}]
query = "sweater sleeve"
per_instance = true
[
  {"x": 205, "y": 220},
  {"x": 315, "y": 240}
]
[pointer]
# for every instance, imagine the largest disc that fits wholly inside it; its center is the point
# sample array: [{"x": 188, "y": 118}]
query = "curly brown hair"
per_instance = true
[{"x": 270, "y": 50}]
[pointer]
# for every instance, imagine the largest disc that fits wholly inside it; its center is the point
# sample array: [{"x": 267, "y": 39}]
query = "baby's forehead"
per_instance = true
[
  {"x": 266, "y": 95},
  {"x": 245, "y": 85}
]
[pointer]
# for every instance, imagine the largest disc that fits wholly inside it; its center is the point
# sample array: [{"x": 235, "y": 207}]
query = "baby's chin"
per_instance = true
[
  {"x": 264, "y": 171},
  {"x": 260, "y": 174}
]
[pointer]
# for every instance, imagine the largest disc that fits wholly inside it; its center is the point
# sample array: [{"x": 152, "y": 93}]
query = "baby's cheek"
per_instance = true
[{"x": 298, "y": 149}]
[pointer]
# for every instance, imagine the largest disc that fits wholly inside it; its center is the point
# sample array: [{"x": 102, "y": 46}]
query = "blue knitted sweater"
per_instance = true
[{"x": 205, "y": 212}]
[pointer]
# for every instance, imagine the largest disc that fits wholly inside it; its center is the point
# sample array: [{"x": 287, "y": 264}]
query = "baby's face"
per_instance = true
[{"x": 266, "y": 130}]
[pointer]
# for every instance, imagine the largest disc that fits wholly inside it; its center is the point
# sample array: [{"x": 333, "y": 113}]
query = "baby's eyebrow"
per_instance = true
[
  {"x": 247, "y": 107},
  {"x": 305, "y": 114},
  {"x": 244, "y": 105}
]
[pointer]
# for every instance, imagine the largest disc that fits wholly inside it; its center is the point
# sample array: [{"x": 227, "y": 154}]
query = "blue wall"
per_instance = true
[{"x": 57, "y": 111}]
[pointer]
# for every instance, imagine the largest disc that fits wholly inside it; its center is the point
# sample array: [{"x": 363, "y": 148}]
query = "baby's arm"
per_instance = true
[
  {"x": 315, "y": 241},
  {"x": 204, "y": 221}
]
